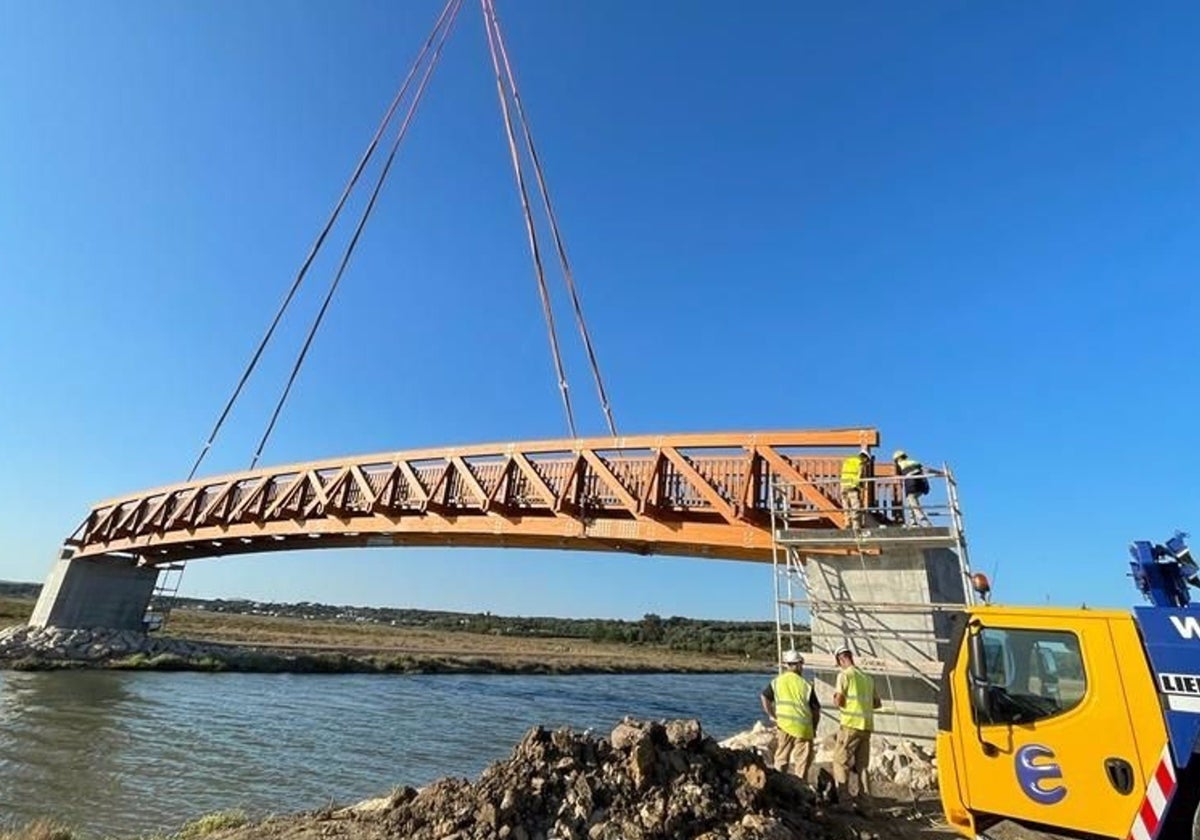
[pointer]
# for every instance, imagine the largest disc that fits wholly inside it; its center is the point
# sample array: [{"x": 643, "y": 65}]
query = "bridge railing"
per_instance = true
[{"x": 700, "y": 479}]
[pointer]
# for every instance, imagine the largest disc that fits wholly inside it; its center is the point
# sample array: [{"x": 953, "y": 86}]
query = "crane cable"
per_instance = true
[
  {"x": 412, "y": 108},
  {"x": 440, "y": 32},
  {"x": 534, "y": 249},
  {"x": 320, "y": 240},
  {"x": 492, "y": 21}
]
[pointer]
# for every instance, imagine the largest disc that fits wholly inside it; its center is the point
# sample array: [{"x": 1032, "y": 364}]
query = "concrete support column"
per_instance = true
[
  {"x": 883, "y": 608},
  {"x": 112, "y": 592}
]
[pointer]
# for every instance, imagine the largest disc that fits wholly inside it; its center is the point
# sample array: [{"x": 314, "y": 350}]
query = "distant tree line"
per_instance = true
[{"x": 752, "y": 639}]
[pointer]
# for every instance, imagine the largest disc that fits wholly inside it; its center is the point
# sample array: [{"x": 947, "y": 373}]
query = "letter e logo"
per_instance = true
[{"x": 1034, "y": 776}]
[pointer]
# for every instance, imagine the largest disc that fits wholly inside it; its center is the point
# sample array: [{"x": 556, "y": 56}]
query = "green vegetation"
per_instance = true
[
  {"x": 15, "y": 610},
  {"x": 39, "y": 830},
  {"x": 751, "y": 639},
  {"x": 321, "y": 638},
  {"x": 210, "y": 823}
]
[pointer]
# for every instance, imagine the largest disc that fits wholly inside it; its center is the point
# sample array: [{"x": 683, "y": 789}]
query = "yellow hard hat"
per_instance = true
[{"x": 898, "y": 454}]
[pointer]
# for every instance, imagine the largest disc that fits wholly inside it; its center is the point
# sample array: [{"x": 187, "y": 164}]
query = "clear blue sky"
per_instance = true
[{"x": 975, "y": 226}]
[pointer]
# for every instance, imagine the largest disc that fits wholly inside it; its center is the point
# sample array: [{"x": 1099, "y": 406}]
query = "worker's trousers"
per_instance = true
[
  {"x": 793, "y": 751},
  {"x": 852, "y": 500},
  {"x": 851, "y": 759},
  {"x": 914, "y": 514}
]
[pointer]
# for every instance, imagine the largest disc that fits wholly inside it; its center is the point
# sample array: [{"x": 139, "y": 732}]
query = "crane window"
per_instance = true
[{"x": 1031, "y": 674}]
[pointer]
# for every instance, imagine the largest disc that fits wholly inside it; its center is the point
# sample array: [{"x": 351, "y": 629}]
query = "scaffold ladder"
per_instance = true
[
  {"x": 162, "y": 600},
  {"x": 867, "y": 618}
]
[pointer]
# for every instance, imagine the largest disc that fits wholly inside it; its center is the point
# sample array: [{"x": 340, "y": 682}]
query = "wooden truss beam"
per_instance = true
[{"x": 689, "y": 494}]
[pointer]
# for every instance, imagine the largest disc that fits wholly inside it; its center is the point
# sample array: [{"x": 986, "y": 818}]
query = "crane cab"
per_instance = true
[{"x": 1054, "y": 718}]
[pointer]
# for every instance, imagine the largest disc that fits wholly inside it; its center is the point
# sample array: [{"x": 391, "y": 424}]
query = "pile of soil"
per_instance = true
[{"x": 647, "y": 781}]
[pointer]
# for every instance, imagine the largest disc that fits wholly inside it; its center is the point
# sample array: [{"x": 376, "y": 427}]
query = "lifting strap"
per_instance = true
[
  {"x": 428, "y": 59},
  {"x": 496, "y": 45},
  {"x": 320, "y": 240},
  {"x": 362, "y": 222}
]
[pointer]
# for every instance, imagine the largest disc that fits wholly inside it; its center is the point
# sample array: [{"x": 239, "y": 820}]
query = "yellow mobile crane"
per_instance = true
[{"x": 1078, "y": 721}]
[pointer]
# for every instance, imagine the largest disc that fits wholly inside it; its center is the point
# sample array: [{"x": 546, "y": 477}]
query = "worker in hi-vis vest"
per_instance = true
[
  {"x": 915, "y": 483},
  {"x": 792, "y": 704},
  {"x": 854, "y": 476},
  {"x": 856, "y": 698}
]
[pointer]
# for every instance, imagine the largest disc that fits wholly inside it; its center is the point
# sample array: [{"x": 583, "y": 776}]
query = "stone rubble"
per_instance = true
[
  {"x": 67, "y": 645},
  {"x": 902, "y": 762},
  {"x": 647, "y": 781}
]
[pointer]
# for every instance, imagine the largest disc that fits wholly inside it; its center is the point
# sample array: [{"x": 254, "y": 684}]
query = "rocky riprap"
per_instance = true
[
  {"x": 647, "y": 781},
  {"x": 22, "y": 645},
  {"x": 904, "y": 763}
]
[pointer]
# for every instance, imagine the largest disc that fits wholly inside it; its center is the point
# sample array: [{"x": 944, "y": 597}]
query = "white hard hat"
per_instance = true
[
  {"x": 792, "y": 657},
  {"x": 841, "y": 650}
]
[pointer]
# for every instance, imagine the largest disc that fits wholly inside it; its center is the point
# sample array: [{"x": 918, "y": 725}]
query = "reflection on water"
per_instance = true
[
  {"x": 73, "y": 730},
  {"x": 127, "y": 753}
]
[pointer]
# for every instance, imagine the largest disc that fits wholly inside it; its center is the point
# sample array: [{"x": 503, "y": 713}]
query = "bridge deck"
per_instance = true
[{"x": 696, "y": 495}]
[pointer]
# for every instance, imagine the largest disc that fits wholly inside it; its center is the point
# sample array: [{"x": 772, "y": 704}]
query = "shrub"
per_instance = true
[
  {"x": 42, "y": 829},
  {"x": 209, "y": 823}
]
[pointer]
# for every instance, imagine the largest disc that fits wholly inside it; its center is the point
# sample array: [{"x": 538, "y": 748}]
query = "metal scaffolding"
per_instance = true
[{"x": 882, "y": 585}]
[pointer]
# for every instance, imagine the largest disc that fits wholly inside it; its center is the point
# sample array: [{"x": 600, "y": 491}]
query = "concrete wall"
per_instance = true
[
  {"x": 111, "y": 592},
  {"x": 880, "y": 607}
]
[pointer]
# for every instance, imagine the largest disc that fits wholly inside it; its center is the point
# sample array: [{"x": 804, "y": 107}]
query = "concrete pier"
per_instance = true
[
  {"x": 893, "y": 608},
  {"x": 111, "y": 592}
]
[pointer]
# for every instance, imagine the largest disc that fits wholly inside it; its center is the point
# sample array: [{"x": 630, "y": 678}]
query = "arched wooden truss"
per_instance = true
[{"x": 703, "y": 495}]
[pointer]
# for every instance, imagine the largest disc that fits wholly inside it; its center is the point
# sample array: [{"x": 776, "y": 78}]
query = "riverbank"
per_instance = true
[
  {"x": 643, "y": 781},
  {"x": 26, "y": 649},
  {"x": 199, "y": 640}
]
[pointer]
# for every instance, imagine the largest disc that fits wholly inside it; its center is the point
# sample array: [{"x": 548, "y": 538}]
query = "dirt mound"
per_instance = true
[{"x": 648, "y": 781}]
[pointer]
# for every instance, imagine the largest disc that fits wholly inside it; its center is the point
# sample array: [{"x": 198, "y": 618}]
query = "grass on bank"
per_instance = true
[
  {"x": 39, "y": 830},
  {"x": 210, "y": 823},
  {"x": 325, "y": 645},
  {"x": 46, "y": 829},
  {"x": 15, "y": 611}
]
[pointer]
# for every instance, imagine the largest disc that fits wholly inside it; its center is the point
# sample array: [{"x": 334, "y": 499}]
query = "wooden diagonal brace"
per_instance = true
[
  {"x": 364, "y": 487},
  {"x": 159, "y": 509},
  {"x": 650, "y": 482},
  {"x": 337, "y": 489},
  {"x": 128, "y": 521},
  {"x": 414, "y": 483},
  {"x": 609, "y": 478},
  {"x": 501, "y": 482},
  {"x": 322, "y": 493},
  {"x": 442, "y": 485},
  {"x": 257, "y": 491},
  {"x": 104, "y": 522},
  {"x": 567, "y": 488},
  {"x": 535, "y": 480},
  {"x": 286, "y": 496},
  {"x": 818, "y": 499},
  {"x": 181, "y": 509},
  {"x": 222, "y": 496},
  {"x": 750, "y": 486},
  {"x": 468, "y": 477},
  {"x": 700, "y": 483}
]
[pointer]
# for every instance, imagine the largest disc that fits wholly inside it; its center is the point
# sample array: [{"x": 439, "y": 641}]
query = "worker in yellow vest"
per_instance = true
[
  {"x": 854, "y": 475},
  {"x": 792, "y": 704},
  {"x": 915, "y": 483},
  {"x": 855, "y": 695}
]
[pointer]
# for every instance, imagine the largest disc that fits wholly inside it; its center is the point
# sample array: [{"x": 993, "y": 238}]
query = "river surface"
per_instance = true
[{"x": 124, "y": 754}]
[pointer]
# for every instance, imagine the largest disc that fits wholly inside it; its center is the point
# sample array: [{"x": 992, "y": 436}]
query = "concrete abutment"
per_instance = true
[
  {"x": 895, "y": 610},
  {"x": 110, "y": 592}
]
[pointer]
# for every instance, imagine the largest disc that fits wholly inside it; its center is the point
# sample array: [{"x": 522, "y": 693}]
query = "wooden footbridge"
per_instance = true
[
  {"x": 696, "y": 495},
  {"x": 703, "y": 495}
]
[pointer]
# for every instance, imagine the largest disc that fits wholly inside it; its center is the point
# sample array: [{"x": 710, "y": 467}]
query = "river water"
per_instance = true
[{"x": 124, "y": 754}]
